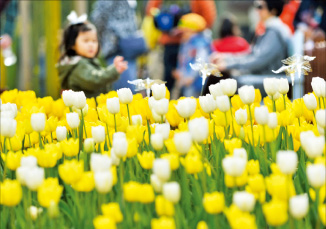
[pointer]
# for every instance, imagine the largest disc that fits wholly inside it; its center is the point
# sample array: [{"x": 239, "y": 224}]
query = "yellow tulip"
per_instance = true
[
  {"x": 16, "y": 142},
  {"x": 163, "y": 207},
  {"x": 147, "y": 194},
  {"x": 253, "y": 167},
  {"x": 11, "y": 193},
  {"x": 256, "y": 183},
  {"x": 136, "y": 132},
  {"x": 48, "y": 158},
  {"x": 280, "y": 187},
  {"x": 132, "y": 191},
  {"x": 240, "y": 219},
  {"x": 58, "y": 108},
  {"x": 146, "y": 159},
  {"x": 202, "y": 225},
  {"x": 213, "y": 202},
  {"x": 49, "y": 191},
  {"x": 71, "y": 171},
  {"x": 285, "y": 118},
  {"x": 113, "y": 211},
  {"x": 192, "y": 163},
  {"x": 322, "y": 213},
  {"x": 275, "y": 212},
  {"x": 172, "y": 116},
  {"x": 230, "y": 145},
  {"x": 104, "y": 222},
  {"x": 163, "y": 223},
  {"x": 51, "y": 124},
  {"x": 47, "y": 103},
  {"x": 86, "y": 182},
  {"x": 70, "y": 147},
  {"x": 132, "y": 147},
  {"x": 12, "y": 159},
  {"x": 169, "y": 143},
  {"x": 91, "y": 115},
  {"x": 173, "y": 159},
  {"x": 240, "y": 181}
]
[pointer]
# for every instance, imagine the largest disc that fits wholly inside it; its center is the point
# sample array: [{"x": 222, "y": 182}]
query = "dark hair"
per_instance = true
[
  {"x": 275, "y": 5},
  {"x": 227, "y": 27},
  {"x": 70, "y": 35}
]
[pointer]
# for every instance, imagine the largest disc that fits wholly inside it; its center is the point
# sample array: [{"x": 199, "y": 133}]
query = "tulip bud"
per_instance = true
[
  {"x": 53, "y": 210},
  {"x": 229, "y": 86},
  {"x": 89, "y": 145},
  {"x": 319, "y": 86},
  {"x": 163, "y": 129},
  {"x": 8, "y": 127},
  {"x": 80, "y": 100},
  {"x": 34, "y": 177},
  {"x": 100, "y": 163},
  {"x": 11, "y": 108},
  {"x": 310, "y": 101},
  {"x": 271, "y": 86},
  {"x": 186, "y": 107},
  {"x": 215, "y": 90},
  {"x": 241, "y": 116},
  {"x": 182, "y": 142},
  {"x": 156, "y": 183},
  {"x": 136, "y": 120},
  {"x": 68, "y": 97},
  {"x": 321, "y": 118},
  {"x": 29, "y": 161},
  {"x": 171, "y": 191},
  {"x": 72, "y": 120},
  {"x": 247, "y": 94},
  {"x": 161, "y": 168},
  {"x": 287, "y": 161},
  {"x": 198, "y": 129},
  {"x": 38, "y": 122},
  {"x": 223, "y": 103},
  {"x": 161, "y": 106},
  {"x": 125, "y": 95},
  {"x": 207, "y": 103},
  {"x": 244, "y": 200},
  {"x": 158, "y": 91},
  {"x": 113, "y": 105},
  {"x": 34, "y": 212},
  {"x": 234, "y": 166},
  {"x": 157, "y": 141},
  {"x": 283, "y": 87},
  {"x": 261, "y": 115},
  {"x": 61, "y": 133},
  {"x": 98, "y": 133},
  {"x": 316, "y": 175},
  {"x": 272, "y": 120},
  {"x": 299, "y": 206},
  {"x": 120, "y": 146},
  {"x": 103, "y": 181}
]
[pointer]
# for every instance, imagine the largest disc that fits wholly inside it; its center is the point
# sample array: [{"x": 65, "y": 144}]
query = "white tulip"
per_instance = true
[
  {"x": 61, "y": 133},
  {"x": 163, "y": 129},
  {"x": 172, "y": 192},
  {"x": 161, "y": 168},
  {"x": 38, "y": 121},
  {"x": 186, "y": 107},
  {"x": 283, "y": 87},
  {"x": 182, "y": 142},
  {"x": 207, "y": 103},
  {"x": 157, "y": 141},
  {"x": 100, "y": 162},
  {"x": 114, "y": 158},
  {"x": 275, "y": 97},
  {"x": 117, "y": 135},
  {"x": 304, "y": 137},
  {"x": 156, "y": 183},
  {"x": 198, "y": 129},
  {"x": 244, "y": 200},
  {"x": 29, "y": 161},
  {"x": 313, "y": 146},
  {"x": 321, "y": 118},
  {"x": 240, "y": 152},
  {"x": 9, "y": 107},
  {"x": 34, "y": 177},
  {"x": 8, "y": 127},
  {"x": 98, "y": 133},
  {"x": 34, "y": 212},
  {"x": 299, "y": 206},
  {"x": 247, "y": 94},
  {"x": 79, "y": 111},
  {"x": 151, "y": 102},
  {"x": 125, "y": 95},
  {"x": 316, "y": 175},
  {"x": 136, "y": 120},
  {"x": 21, "y": 173},
  {"x": 68, "y": 97},
  {"x": 241, "y": 116},
  {"x": 72, "y": 120},
  {"x": 157, "y": 118},
  {"x": 120, "y": 146},
  {"x": 89, "y": 145},
  {"x": 229, "y": 86},
  {"x": 310, "y": 101},
  {"x": 161, "y": 106},
  {"x": 80, "y": 100},
  {"x": 271, "y": 86},
  {"x": 7, "y": 114},
  {"x": 261, "y": 115},
  {"x": 287, "y": 161},
  {"x": 234, "y": 166},
  {"x": 215, "y": 90},
  {"x": 113, "y": 105},
  {"x": 321, "y": 130},
  {"x": 272, "y": 120},
  {"x": 223, "y": 103},
  {"x": 319, "y": 86},
  {"x": 103, "y": 181},
  {"x": 159, "y": 91}
]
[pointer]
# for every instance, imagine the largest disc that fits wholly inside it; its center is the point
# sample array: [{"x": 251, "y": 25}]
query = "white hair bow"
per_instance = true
[{"x": 74, "y": 19}]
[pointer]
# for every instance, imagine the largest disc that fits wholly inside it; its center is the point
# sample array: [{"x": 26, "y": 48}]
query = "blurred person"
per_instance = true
[
  {"x": 171, "y": 41},
  {"x": 195, "y": 43},
  {"x": 79, "y": 69}
]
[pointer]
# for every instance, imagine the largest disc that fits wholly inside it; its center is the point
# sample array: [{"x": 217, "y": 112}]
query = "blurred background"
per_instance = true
[{"x": 35, "y": 28}]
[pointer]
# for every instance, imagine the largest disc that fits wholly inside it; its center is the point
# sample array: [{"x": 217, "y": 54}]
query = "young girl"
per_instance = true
[{"x": 79, "y": 69}]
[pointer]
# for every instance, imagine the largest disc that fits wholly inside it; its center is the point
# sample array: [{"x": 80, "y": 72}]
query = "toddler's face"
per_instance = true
[{"x": 87, "y": 44}]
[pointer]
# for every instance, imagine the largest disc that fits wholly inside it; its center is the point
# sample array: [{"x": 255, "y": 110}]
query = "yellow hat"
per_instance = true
[{"x": 192, "y": 21}]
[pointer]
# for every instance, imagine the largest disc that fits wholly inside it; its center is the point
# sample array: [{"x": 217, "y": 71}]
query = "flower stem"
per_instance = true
[
  {"x": 128, "y": 114},
  {"x": 115, "y": 122},
  {"x": 284, "y": 96},
  {"x": 107, "y": 130},
  {"x": 252, "y": 127},
  {"x": 40, "y": 140}
]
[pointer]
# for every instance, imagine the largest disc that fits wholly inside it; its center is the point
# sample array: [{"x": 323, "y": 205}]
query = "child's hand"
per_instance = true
[{"x": 120, "y": 64}]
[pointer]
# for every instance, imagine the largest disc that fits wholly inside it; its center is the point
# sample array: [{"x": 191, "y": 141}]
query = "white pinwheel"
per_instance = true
[
  {"x": 74, "y": 19},
  {"x": 142, "y": 84}
]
